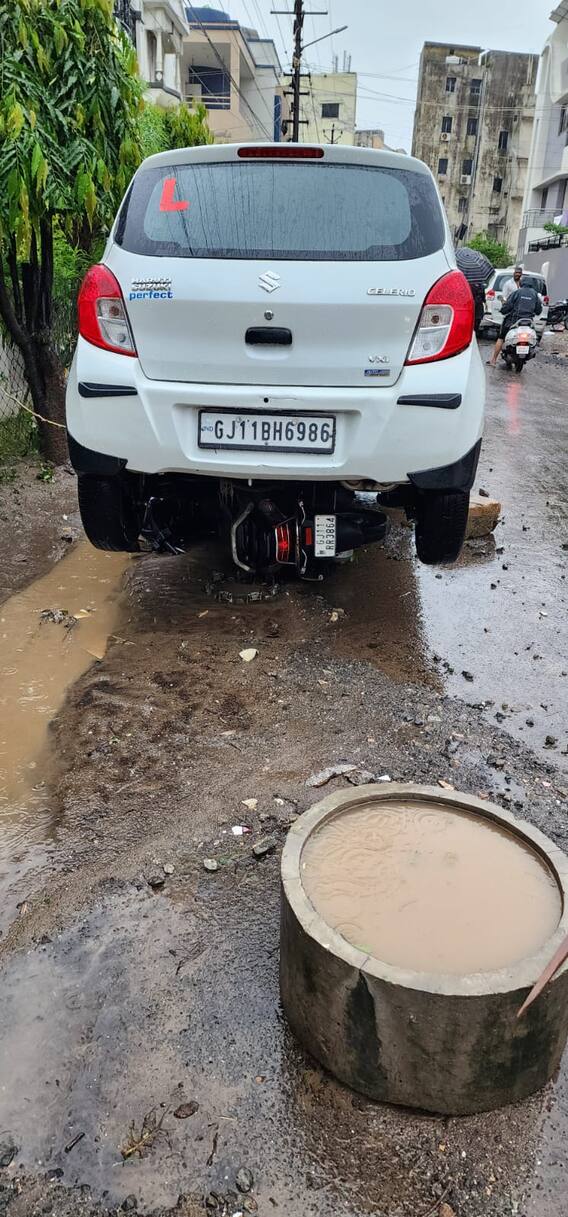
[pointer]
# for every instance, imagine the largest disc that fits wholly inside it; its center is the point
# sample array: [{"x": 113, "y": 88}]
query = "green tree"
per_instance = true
[
  {"x": 177, "y": 127},
  {"x": 69, "y": 143},
  {"x": 496, "y": 251},
  {"x": 558, "y": 230}
]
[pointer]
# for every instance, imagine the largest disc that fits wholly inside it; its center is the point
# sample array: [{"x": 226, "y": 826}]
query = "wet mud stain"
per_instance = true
[{"x": 50, "y": 633}]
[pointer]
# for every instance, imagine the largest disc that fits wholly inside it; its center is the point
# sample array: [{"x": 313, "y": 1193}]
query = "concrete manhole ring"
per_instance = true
[{"x": 436, "y": 1041}]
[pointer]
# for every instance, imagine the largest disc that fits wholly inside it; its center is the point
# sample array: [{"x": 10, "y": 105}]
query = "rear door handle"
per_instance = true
[{"x": 267, "y": 335}]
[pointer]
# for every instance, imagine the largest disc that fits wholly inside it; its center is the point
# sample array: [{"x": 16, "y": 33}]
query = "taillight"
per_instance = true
[
  {"x": 546, "y": 299},
  {"x": 490, "y": 295},
  {"x": 102, "y": 314},
  {"x": 446, "y": 322}
]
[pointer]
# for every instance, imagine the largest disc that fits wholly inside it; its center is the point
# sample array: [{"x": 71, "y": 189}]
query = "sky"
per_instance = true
[{"x": 384, "y": 39}]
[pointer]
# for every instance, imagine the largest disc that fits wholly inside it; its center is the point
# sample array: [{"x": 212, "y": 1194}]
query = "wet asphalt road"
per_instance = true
[{"x": 116, "y": 1003}]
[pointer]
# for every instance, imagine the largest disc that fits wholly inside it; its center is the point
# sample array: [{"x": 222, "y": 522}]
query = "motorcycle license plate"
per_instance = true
[
  {"x": 523, "y": 350},
  {"x": 326, "y": 536}
]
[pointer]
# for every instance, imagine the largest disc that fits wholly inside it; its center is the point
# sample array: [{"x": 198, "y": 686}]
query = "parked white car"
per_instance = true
[
  {"x": 271, "y": 330},
  {"x": 493, "y": 316}
]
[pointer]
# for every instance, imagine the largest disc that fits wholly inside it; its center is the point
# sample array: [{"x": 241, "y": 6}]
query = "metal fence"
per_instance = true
[{"x": 17, "y": 428}]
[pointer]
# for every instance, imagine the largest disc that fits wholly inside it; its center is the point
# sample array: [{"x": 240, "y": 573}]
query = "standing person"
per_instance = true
[
  {"x": 513, "y": 283},
  {"x": 523, "y": 302}
]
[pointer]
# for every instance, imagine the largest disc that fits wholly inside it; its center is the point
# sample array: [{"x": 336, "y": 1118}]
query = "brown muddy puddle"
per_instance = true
[
  {"x": 39, "y": 659},
  {"x": 430, "y": 889}
]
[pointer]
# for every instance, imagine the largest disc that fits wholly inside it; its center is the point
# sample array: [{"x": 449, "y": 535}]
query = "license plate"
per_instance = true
[
  {"x": 266, "y": 432},
  {"x": 325, "y": 536},
  {"x": 522, "y": 350}
]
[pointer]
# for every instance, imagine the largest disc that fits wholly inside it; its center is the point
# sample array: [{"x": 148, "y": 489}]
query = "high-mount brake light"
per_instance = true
[{"x": 281, "y": 152}]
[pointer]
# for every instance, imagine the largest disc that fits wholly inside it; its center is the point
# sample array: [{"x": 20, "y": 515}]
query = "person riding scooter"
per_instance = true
[{"x": 523, "y": 303}]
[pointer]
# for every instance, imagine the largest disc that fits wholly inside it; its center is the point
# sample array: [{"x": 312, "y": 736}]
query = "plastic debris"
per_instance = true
[
  {"x": 209, "y": 864},
  {"x": 239, "y": 830},
  {"x": 248, "y": 654}
]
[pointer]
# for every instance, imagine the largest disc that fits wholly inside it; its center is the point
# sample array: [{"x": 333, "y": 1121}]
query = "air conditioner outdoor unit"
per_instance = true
[
  {"x": 465, "y": 179},
  {"x": 445, "y": 137}
]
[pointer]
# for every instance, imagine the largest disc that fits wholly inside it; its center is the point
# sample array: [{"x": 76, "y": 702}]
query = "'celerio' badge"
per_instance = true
[
  {"x": 391, "y": 291},
  {"x": 151, "y": 289}
]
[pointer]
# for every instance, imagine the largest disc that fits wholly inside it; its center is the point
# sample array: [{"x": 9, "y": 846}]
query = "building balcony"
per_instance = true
[
  {"x": 212, "y": 101},
  {"x": 537, "y": 217}
]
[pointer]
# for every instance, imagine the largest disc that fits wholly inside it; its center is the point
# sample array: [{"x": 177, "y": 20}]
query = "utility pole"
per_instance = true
[
  {"x": 299, "y": 47},
  {"x": 296, "y": 68}
]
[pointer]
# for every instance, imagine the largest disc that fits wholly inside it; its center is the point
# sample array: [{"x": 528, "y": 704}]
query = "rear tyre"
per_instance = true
[
  {"x": 111, "y": 512},
  {"x": 441, "y": 521},
  {"x": 519, "y": 365}
]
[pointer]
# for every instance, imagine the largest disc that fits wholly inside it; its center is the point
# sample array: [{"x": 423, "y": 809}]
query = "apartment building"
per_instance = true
[
  {"x": 546, "y": 193},
  {"x": 373, "y": 137},
  {"x": 473, "y": 127},
  {"x": 235, "y": 74},
  {"x": 328, "y": 107}
]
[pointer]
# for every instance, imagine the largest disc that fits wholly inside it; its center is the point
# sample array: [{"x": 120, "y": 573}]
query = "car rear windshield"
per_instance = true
[
  {"x": 535, "y": 281},
  {"x": 295, "y": 210}
]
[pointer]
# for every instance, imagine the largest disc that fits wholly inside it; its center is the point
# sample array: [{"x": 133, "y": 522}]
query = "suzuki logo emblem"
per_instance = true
[{"x": 269, "y": 281}]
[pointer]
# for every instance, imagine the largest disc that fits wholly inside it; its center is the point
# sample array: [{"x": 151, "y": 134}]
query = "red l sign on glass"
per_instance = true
[{"x": 167, "y": 201}]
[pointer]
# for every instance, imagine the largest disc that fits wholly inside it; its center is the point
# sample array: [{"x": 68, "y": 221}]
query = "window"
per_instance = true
[
  {"x": 493, "y": 230},
  {"x": 503, "y": 141},
  {"x": 450, "y": 84},
  {"x": 462, "y": 205},
  {"x": 467, "y": 167},
  {"x": 394, "y": 214},
  {"x": 544, "y": 199},
  {"x": 442, "y": 166},
  {"x": 472, "y": 126},
  {"x": 475, "y": 88},
  {"x": 446, "y": 124},
  {"x": 330, "y": 109},
  {"x": 563, "y": 123},
  {"x": 211, "y": 85},
  {"x": 497, "y": 185}
]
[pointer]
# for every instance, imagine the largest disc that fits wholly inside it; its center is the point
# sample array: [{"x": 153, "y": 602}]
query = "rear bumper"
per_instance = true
[
  {"x": 153, "y": 427},
  {"x": 458, "y": 476}
]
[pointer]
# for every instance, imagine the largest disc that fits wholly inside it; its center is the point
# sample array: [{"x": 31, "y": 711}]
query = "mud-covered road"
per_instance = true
[{"x": 121, "y": 1002}]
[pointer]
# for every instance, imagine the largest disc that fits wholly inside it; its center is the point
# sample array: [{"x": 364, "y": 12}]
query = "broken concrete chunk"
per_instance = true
[
  {"x": 483, "y": 516},
  {"x": 266, "y": 845},
  {"x": 248, "y": 654},
  {"x": 335, "y": 771}
]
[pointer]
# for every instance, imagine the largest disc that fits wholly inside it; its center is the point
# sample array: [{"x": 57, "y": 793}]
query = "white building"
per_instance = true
[
  {"x": 157, "y": 29},
  {"x": 546, "y": 194},
  {"x": 235, "y": 73},
  {"x": 328, "y": 108}
]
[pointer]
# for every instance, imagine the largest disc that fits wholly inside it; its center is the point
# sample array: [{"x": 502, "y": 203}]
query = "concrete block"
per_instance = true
[
  {"x": 437, "y": 1042},
  {"x": 483, "y": 516}
]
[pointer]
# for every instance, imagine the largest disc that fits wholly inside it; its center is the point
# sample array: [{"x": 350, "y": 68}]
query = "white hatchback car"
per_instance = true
[
  {"x": 493, "y": 317},
  {"x": 274, "y": 328}
]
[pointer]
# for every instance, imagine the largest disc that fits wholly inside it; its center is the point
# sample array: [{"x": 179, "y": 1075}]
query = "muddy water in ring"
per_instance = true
[
  {"x": 39, "y": 660},
  {"x": 430, "y": 889}
]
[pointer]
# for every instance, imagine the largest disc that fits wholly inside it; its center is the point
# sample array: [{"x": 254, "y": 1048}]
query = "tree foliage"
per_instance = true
[
  {"x": 496, "y": 251},
  {"x": 68, "y": 115},
  {"x": 557, "y": 230},
  {"x": 177, "y": 127},
  {"x": 69, "y": 112}
]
